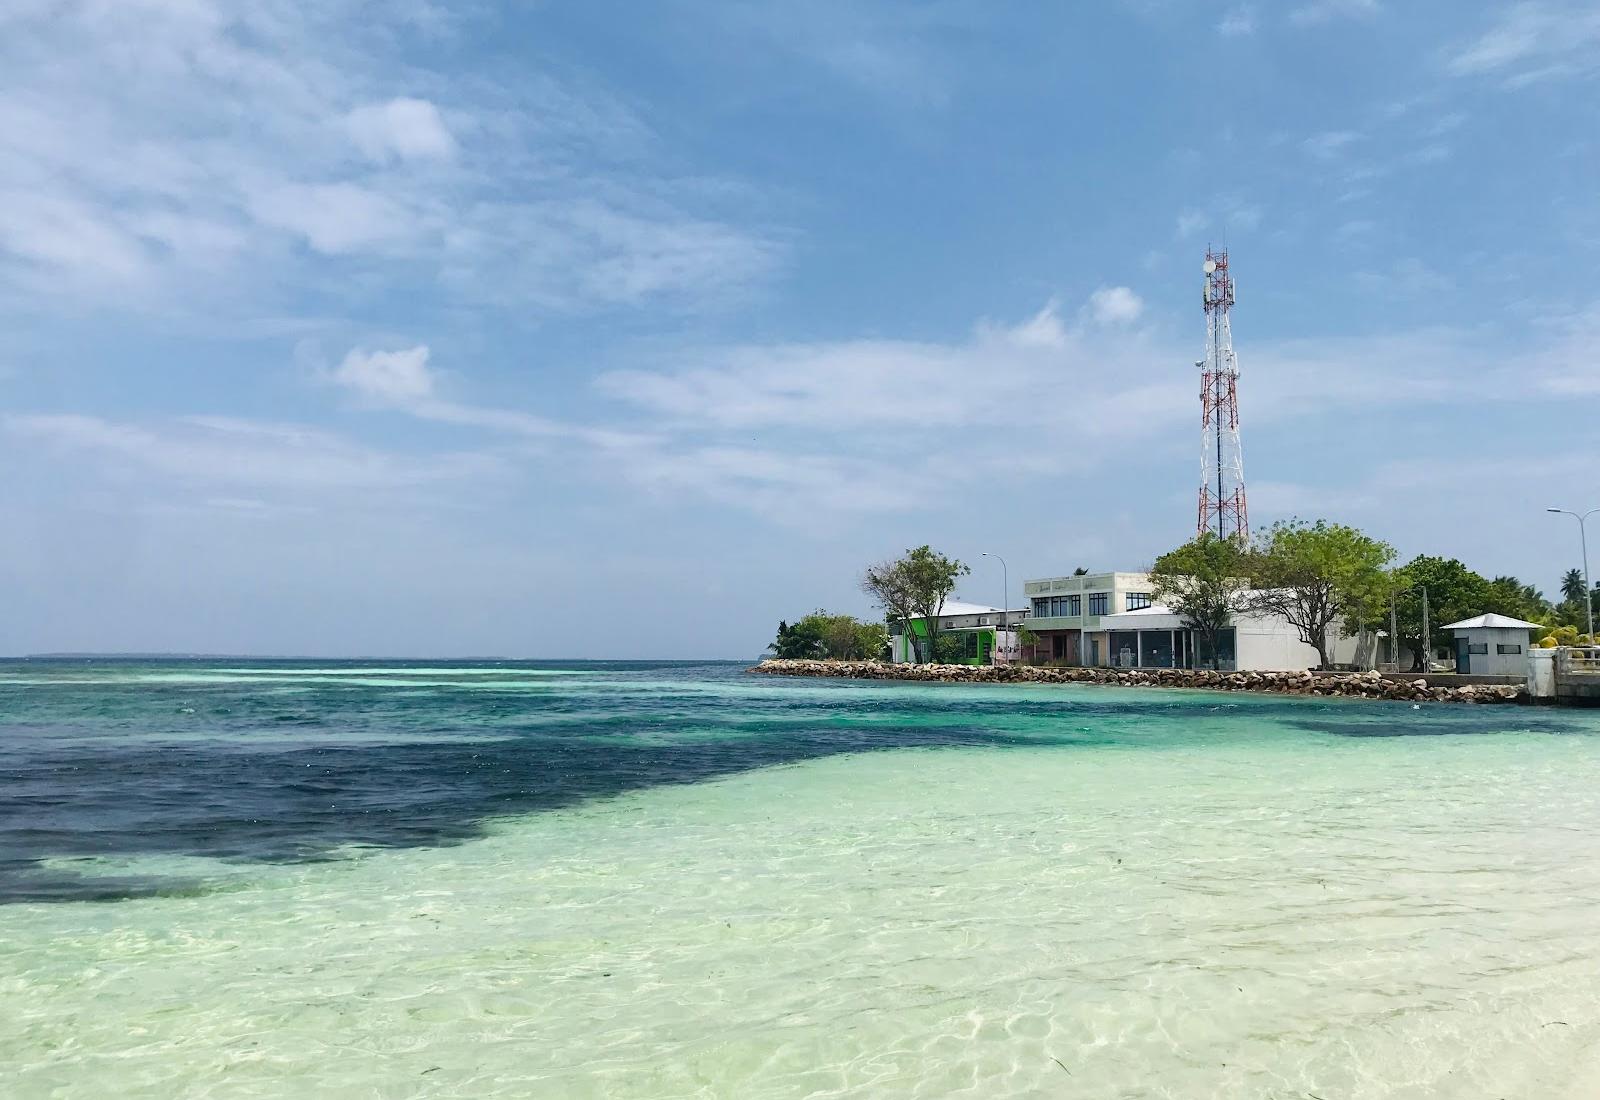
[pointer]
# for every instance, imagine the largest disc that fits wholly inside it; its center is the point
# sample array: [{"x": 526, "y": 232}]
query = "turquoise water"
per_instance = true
[{"x": 431, "y": 880}]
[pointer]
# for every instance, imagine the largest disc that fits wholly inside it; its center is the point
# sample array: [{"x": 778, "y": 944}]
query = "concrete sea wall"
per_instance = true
[{"x": 1363, "y": 685}]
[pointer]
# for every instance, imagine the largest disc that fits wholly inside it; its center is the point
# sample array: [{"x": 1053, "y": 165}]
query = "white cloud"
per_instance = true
[
  {"x": 403, "y": 128},
  {"x": 1328, "y": 145},
  {"x": 1532, "y": 41},
  {"x": 1568, "y": 364},
  {"x": 1238, "y": 23},
  {"x": 1325, "y": 11},
  {"x": 1232, "y": 212},
  {"x": 187, "y": 151},
  {"x": 335, "y": 218},
  {"x": 390, "y": 377},
  {"x": 1115, "y": 305},
  {"x": 59, "y": 234},
  {"x": 240, "y": 453}
]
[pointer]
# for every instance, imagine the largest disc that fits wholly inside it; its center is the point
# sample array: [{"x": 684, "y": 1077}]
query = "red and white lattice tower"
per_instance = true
[{"x": 1222, "y": 501}]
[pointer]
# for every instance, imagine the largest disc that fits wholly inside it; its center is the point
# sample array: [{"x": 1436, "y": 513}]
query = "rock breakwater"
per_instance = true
[{"x": 1360, "y": 685}]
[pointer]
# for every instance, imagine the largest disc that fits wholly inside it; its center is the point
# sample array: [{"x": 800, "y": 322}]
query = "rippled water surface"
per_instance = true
[{"x": 283, "y": 879}]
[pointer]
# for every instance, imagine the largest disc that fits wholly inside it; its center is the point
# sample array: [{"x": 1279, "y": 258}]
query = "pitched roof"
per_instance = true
[
  {"x": 961, "y": 607},
  {"x": 1492, "y": 622}
]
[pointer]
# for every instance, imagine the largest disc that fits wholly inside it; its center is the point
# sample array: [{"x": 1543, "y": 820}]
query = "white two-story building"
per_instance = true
[
  {"x": 1065, "y": 614},
  {"x": 1111, "y": 619}
]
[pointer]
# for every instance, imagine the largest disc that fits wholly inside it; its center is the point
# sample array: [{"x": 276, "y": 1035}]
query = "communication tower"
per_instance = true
[{"x": 1222, "y": 499}]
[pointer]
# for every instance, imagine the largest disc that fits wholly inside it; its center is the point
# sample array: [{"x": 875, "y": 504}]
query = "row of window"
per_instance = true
[
  {"x": 1057, "y": 607},
  {"x": 1481, "y": 649}
]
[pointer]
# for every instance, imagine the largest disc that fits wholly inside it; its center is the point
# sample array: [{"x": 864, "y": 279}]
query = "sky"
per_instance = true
[{"x": 622, "y": 330}]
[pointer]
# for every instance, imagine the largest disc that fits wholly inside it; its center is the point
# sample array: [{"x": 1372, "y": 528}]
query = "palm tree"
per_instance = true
[
  {"x": 1572, "y": 586},
  {"x": 795, "y": 643}
]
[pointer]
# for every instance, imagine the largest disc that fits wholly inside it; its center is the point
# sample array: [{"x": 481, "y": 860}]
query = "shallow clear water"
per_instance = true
[{"x": 385, "y": 880}]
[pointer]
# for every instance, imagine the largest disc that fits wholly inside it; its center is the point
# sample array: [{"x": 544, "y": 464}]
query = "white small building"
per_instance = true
[
  {"x": 1155, "y": 637},
  {"x": 1492, "y": 645}
]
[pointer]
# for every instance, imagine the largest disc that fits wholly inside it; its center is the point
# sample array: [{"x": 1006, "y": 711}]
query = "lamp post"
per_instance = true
[
  {"x": 1583, "y": 541},
  {"x": 1005, "y": 598}
]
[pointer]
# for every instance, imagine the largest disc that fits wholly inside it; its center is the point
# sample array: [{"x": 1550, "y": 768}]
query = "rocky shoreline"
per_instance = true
[{"x": 1357, "y": 685}]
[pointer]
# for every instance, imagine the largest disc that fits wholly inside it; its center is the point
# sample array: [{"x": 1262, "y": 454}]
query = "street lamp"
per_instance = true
[
  {"x": 1005, "y": 599},
  {"x": 1583, "y": 540}
]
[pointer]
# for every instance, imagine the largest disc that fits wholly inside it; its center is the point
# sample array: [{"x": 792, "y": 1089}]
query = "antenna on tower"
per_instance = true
[{"x": 1223, "y": 508}]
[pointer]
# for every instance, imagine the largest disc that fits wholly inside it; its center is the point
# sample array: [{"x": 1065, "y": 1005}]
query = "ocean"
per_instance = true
[{"x": 566, "y": 879}]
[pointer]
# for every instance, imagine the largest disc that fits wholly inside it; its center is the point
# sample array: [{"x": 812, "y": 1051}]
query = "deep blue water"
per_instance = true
[{"x": 294, "y": 760}]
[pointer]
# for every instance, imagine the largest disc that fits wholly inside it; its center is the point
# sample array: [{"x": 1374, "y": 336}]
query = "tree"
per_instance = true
[
  {"x": 796, "y": 642},
  {"x": 1204, "y": 582},
  {"x": 1370, "y": 615},
  {"x": 1509, "y": 596},
  {"x": 1454, "y": 592},
  {"x": 890, "y": 588},
  {"x": 846, "y": 638},
  {"x": 1571, "y": 612},
  {"x": 915, "y": 587},
  {"x": 932, "y": 577},
  {"x": 841, "y": 637},
  {"x": 1316, "y": 575}
]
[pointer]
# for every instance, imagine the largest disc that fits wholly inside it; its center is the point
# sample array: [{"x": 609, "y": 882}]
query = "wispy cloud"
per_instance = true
[
  {"x": 1329, "y": 144},
  {"x": 229, "y": 451},
  {"x": 1115, "y": 305},
  {"x": 801, "y": 432},
  {"x": 180, "y": 156},
  {"x": 1238, "y": 22},
  {"x": 1325, "y": 11},
  {"x": 1532, "y": 41},
  {"x": 401, "y": 129}
]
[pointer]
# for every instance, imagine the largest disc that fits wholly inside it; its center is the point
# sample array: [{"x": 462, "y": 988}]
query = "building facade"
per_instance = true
[
  {"x": 1492, "y": 645},
  {"x": 1066, "y": 614},
  {"x": 978, "y": 634},
  {"x": 1155, "y": 637}
]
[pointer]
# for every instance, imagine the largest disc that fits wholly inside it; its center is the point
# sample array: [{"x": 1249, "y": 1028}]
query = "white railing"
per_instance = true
[{"x": 1578, "y": 661}]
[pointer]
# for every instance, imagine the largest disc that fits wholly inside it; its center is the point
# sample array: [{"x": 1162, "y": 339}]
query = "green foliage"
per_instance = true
[
  {"x": 1204, "y": 582},
  {"x": 819, "y": 634},
  {"x": 795, "y": 643},
  {"x": 914, "y": 586},
  {"x": 1571, "y": 611},
  {"x": 1509, "y": 596},
  {"x": 1315, "y": 575},
  {"x": 1454, "y": 593},
  {"x": 1564, "y": 635},
  {"x": 949, "y": 649}
]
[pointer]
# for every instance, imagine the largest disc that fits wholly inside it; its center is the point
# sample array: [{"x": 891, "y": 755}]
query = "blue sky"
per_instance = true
[{"x": 616, "y": 329}]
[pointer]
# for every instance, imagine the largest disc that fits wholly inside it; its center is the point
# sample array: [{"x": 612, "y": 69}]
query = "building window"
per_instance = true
[
  {"x": 1137, "y": 601},
  {"x": 1098, "y": 602},
  {"x": 1041, "y": 607},
  {"x": 1508, "y": 649},
  {"x": 1478, "y": 648},
  {"x": 1074, "y": 605}
]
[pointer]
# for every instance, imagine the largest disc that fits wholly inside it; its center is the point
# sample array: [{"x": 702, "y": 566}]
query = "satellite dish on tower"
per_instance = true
[{"x": 1211, "y": 265}]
